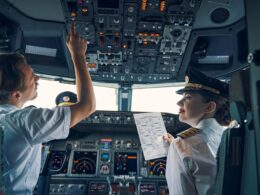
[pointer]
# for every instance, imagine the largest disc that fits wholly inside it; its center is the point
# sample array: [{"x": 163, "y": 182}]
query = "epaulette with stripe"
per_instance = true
[{"x": 188, "y": 133}]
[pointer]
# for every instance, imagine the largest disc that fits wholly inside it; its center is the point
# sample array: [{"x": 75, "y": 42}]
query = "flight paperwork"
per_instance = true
[{"x": 151, "y": 129}]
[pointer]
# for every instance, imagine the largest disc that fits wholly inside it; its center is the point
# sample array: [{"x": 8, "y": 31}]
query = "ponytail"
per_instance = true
[{"x": 222, "y": 114}]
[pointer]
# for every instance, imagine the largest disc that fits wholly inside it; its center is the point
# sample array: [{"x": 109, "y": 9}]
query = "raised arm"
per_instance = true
[{"x": 86, "y": 104}]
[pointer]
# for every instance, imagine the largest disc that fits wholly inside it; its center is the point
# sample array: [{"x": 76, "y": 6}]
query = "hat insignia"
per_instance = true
[{"x": 66, "y": 98}]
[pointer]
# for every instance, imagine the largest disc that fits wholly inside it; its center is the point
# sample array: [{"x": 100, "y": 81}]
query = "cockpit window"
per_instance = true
[
  {"x": 106, "y": 97},
  {"x": 156, "y": 99}
]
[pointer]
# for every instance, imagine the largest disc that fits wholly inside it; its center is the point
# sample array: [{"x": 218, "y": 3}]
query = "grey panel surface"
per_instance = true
[
  {"x": 44, "y": 10},
  {"x": 236, "y": 9}
]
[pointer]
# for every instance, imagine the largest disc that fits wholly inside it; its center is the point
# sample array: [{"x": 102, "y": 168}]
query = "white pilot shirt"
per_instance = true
[
  {"x": 191, "y": 162},
  {"x": 24, "y": 131}
]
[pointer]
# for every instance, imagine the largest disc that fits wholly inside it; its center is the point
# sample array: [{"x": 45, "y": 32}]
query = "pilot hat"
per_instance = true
[
  {"x": 198, "y": 82},
  {"x": 66, "y": 98}
]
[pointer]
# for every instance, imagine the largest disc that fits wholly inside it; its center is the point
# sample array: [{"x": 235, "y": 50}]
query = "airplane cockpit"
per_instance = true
[{"x": 131, "y": 44}]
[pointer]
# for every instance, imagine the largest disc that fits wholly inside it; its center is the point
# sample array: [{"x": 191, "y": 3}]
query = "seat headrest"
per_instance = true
[{"x": 239, "y": 88}]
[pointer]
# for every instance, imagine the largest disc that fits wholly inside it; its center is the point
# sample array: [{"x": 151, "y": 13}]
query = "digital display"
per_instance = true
[
  {"x": 125, "y": 163},
  {"x": 84, "y": 162},
  {"x": 58, "y": 162},
  {"x": 157, "y": 167},
  {"x": 106, "y": 143},
  {"x": 105, "y": 157},
  {"x": 108, "y": 3}
]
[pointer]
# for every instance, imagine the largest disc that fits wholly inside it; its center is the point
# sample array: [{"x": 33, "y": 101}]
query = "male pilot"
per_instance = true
[{"x": 25, "y": 129}]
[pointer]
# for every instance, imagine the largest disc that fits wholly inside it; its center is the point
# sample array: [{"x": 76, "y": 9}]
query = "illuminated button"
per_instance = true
[{"x": 84, "y": 11}]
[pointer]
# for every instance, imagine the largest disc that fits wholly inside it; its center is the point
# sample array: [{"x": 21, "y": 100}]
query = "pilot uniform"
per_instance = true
[
  {"x": 191, "y": 161},
  {"x": 24, "y": 131}
]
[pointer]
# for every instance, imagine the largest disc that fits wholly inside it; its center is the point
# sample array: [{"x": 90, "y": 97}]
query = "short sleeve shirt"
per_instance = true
[{"x": 24, "y": 131}]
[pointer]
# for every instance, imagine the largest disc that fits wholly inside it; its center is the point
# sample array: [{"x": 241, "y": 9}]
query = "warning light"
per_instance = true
[
  {"x": 91, "y": 65},
  {"x": 73, "y": 14},
  {"x": 84, "y": 11},
  {"x": 143, "y": 5},
  {"x": 162, "y": 5}
]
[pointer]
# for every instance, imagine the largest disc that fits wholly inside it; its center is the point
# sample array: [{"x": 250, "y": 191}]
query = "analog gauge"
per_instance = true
[{"x": 157, "y": 167}]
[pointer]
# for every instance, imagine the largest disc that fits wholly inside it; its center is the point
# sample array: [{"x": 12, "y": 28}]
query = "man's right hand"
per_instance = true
[
  {"x": 86, "y": 104},
  {"x": 76, "y": 44}
]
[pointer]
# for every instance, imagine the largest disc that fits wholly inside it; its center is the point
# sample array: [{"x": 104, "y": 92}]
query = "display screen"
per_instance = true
[
  {"x": 125, "y": 163},
  {"x": 105, "y": 157},
  {"x": 58, "y": 162},
  {"x": 84, "y": 162},
  {"x": 106, "y": 143},
  {"x": 108, "y": 3},
  {"x": 157, "y": 167}
]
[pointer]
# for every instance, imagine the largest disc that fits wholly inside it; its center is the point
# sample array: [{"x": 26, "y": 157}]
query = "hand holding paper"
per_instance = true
[{"x": 151, "y": 129}]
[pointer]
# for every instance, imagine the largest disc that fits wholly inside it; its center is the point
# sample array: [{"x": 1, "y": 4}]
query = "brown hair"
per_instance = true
[
  {"x": 222, "y": 114},
  {"x": 11, "y": 77}
]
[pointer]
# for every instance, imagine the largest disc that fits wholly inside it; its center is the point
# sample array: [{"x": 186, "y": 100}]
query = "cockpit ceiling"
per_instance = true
[{"x": 130, "y": 41}]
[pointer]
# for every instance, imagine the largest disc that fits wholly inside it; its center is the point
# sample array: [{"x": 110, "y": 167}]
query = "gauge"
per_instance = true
[
  {"x": 84, "y": 162},
  {"x": 157, "y": 167},
  {"x": 58, "y": 162}
]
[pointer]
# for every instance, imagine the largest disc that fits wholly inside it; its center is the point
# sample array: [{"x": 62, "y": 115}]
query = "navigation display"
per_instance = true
[{"x": 125, "y": 163}]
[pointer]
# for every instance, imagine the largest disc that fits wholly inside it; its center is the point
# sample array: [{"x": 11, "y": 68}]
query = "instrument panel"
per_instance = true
[
  {"x": 99, "y": 163},
  {"x": 134, "y": 41},
  {"x": 124, "y": 157},
  {"x": 130, "y": 41},
  {"x": 103, "y": 155}
]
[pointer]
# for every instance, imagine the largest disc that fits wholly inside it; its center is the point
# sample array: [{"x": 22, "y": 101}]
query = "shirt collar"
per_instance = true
[
  {"x": 5, "y": 108},
  {"x": 209, "y": 122}
]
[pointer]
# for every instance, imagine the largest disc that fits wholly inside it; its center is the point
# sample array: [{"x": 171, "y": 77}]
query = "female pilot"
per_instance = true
[{"x": 191, "y": 162}]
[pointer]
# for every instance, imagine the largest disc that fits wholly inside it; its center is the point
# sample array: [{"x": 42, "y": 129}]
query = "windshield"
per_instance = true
[
  {"x": 48, "y": 91},
  {"x": 153, "y": 99}
]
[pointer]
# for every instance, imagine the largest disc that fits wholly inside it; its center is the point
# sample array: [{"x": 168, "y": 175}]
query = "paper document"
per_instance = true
[{"x": 151, "y": 129}]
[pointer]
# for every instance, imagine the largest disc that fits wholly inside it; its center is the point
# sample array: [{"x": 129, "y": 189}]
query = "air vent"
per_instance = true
[{"x": 220, "y": 15}]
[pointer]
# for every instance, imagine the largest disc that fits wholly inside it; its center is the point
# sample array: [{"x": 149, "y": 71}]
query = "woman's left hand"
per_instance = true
[{"x": 168, "y": 137}]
